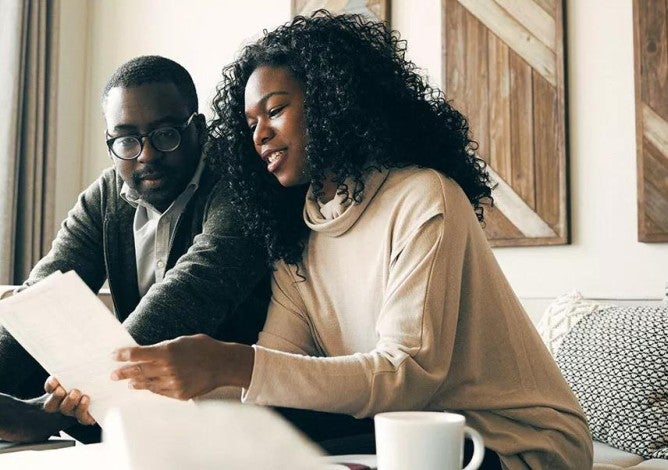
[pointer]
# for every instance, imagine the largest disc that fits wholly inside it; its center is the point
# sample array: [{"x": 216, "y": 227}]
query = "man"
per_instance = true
[{"x": 158, "y": 228}]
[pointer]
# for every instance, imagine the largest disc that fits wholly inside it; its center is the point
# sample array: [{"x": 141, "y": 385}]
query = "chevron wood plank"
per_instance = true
[
  {"x": 518, "y": 38},
  {"x": 654, "y": 58},
  {"x": 534, "y": 18},
  {"x": 550, "y": 171},
  {"x": 477, "y": 96},
  {"x": 655, "y": 129},
  {"x": 499, "y": 107},
  {"x": 650, "y": 19},
  {"x": 500, "y": 229},
  {"x": 454, "y": 78},
  {"x": 548, "y": 5},
  {"x": 656, "y": 187},
  {"x": 522, "y": 129},
  {"x": 523, "y": 217}
]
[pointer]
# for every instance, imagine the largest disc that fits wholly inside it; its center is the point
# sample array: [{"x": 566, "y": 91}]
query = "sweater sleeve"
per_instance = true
[
  {"x": 203, "y": 290},
  {"x": 287, "y": 327},
  {"x": 78, "y": 247},
  {"x": 415, "y": 330}
]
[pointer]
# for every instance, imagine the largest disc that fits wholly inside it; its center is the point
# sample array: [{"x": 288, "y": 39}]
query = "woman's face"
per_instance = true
[{"x": 274, "y": 107}]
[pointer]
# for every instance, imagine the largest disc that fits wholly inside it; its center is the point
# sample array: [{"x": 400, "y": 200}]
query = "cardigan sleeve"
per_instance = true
[{"x": 416, "y": 335}]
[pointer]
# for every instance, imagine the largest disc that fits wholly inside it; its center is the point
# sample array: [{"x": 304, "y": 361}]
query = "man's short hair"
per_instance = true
[{"x": 154, "y": 69}]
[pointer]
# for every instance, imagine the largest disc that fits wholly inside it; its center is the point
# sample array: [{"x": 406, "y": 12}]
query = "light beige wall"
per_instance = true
[
  {"x": 202, "y": 35},
  {"x": 72, "y": 93},
  {"x": 604, "y": 260}
]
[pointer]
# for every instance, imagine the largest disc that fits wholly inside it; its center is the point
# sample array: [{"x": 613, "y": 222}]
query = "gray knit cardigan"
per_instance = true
[{"x": 216, "y": 283}]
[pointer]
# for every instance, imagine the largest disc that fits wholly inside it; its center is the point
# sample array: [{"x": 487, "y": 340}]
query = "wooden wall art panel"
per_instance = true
[
  {"x": 503, "y": 67},
  {"x": 375, "y": 9},
  {"x": 651, "y": 82}
]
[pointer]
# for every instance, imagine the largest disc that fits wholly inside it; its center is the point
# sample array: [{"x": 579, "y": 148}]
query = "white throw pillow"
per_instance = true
[{"x": 561, "y": 316}]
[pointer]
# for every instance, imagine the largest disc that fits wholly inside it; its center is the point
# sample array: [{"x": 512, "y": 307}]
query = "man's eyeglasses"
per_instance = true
[{"x": 163, "y": 139}]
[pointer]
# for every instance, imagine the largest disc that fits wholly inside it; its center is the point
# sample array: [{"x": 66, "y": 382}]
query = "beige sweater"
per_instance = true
[{"x": 404, "y": 307}]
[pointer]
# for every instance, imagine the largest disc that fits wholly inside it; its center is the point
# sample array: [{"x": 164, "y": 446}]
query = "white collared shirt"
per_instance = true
[{"x": 154, "y": 231}]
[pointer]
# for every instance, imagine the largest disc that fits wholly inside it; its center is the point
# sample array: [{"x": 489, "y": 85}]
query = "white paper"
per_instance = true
[
  {"x": 72, "y": 334},
  {"x": 211, "y": 435},
  {"x": 71, "y": 458}
]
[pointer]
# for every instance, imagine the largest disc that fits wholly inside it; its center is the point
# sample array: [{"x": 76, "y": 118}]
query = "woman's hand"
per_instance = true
[
  {"x": 186, "y": 367},
  {"x": 72, "y": 403}
]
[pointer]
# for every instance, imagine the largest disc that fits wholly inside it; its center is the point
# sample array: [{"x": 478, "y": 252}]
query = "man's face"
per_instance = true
[{"x": 158, "y": 177}]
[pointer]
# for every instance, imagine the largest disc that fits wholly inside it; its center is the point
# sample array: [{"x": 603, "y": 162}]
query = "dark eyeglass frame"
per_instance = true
[{"x": 141, "y": 138}]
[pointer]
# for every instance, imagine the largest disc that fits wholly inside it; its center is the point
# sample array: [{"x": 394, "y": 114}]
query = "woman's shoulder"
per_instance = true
[{"x": 423, "y": 186}]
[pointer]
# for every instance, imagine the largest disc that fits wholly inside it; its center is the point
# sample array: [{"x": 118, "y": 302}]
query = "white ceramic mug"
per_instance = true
[{"x": 428, "y": 440}]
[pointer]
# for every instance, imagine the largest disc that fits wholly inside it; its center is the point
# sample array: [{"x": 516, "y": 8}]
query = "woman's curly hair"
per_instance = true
[{"x": 365, "y": 106}]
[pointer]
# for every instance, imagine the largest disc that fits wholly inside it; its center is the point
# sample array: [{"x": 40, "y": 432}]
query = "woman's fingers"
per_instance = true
[
  {"x": 179, "y": 368},
  {"x": 141, "y": 371},
  {"x": 127, "y": 372},
  {"x": 140, "y": 353},
  {"x": 163, "y": 386},
  {"x": 160, "y": 380},
  {"x": 148, "y": 362}
]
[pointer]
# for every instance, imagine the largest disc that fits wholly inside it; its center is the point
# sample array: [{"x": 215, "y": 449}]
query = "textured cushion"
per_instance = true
[
  {"x": 561, "y": 316},
  {"x": 616, "y": 361}
]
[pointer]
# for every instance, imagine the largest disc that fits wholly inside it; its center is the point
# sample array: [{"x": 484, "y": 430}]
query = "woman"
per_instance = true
[{"x": 386, "y": 295}]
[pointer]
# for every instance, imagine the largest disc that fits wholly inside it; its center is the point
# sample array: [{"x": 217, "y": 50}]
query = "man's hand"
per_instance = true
[
  {"x": 186, "y": 367},
  {"x": 74, "y": 403}
]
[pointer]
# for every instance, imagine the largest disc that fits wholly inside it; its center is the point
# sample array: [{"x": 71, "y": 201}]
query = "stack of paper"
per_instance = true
[{"x": 71, "y": 333}]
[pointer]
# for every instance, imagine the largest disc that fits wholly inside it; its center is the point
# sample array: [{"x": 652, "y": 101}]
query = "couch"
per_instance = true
[{"x": 592, "y": 345}]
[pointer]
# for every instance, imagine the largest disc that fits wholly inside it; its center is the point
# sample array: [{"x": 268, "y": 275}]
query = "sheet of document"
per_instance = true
[
  {"x": 72, "y": 334},
  {"x": 209, "y": 435}
]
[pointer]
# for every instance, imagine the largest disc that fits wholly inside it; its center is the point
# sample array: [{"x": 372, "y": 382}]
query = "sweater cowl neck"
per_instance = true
[{"x": 337, "y": 216}]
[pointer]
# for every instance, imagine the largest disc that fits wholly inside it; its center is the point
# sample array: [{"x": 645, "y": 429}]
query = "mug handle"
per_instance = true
[{"x": 478, "y": 448}]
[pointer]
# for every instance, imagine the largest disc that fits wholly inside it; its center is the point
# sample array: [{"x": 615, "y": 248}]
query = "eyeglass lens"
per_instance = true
[{"x": 165, "y": 139}]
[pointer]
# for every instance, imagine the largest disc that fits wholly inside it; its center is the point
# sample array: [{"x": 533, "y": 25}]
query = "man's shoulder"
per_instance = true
[
  {"x": 218, "y": 200},
  {"x": 102, "y": 198},
  {"x": 107, "y": 183},
  {"x": 210, "y": 180},
  {"x": 110, "y": 177},
  {"x": 211, "y": 202}
]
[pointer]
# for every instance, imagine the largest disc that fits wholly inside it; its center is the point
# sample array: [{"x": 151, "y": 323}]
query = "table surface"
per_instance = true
[{"x": 96, "y": 456}]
